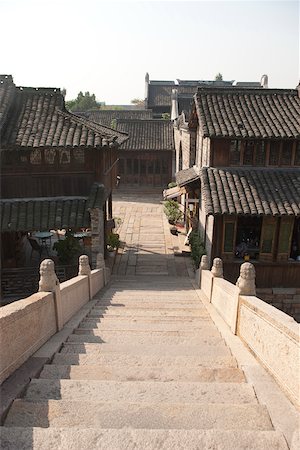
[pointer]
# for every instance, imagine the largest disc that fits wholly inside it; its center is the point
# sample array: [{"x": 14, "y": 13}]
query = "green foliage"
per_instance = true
[
  {"x": 137, "y": 101},
  {"x": 68, "y": 249},
  {"x": 172, "y": 211},
  {"x": 166, "y": 116},
  {"x": 219, "y": 77},
  {"x": 197, "y": 247},
  {"x": 172, "y": 184},
  {"x": 83, "y": 102},
  {"x": 113, "y": 124},
  {"x": 113, "y": 240}
]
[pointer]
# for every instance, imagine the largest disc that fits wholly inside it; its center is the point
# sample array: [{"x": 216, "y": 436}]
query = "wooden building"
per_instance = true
[
  {"x": 108, "y": 117},
  {"x": 247, "y": 152},
  {"x": 147, "y": 156},
  {"x": 57, "y": 170}
]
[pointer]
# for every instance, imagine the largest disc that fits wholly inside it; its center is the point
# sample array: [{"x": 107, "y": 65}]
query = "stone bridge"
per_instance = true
[{"x": 156, "y": 357}]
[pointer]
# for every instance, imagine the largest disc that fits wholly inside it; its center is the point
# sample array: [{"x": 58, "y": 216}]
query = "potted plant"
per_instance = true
[{"x": 172, "y": 211}]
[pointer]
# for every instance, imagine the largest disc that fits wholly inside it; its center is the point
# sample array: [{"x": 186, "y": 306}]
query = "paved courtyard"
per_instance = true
[{"x": 148, "y": 247}]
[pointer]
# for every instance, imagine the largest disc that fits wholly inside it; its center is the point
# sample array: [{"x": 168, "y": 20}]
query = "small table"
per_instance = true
[{"x": 43, "y": 237}]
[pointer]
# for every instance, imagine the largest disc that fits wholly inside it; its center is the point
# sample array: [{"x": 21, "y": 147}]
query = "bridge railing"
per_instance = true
[
  {"x": 27, "y": 324},
  {"x": 270, "y": 334}
]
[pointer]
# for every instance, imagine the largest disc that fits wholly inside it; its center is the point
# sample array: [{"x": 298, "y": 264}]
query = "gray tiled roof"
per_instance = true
[
  {"x": 243, "y": 191},
  {"x": 46, "y": 213},
  {"x": 186, "y": 176},
  {"x": 107, "y": 116},
  {"x": 248, "y": 113},
  {"x": 147, "y": 134},
  {"x": 36, "y": 117}
]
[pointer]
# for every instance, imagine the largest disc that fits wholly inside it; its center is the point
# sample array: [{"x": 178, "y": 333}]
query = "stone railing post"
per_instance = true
[
  {"x": 100, "y": 264},
  {"x": 246, "y": 280},
  {"x": 50, "y": 283},
  {"x": 217, "y": 268},
  {"x": 84, "y": 269},
  {"x": 204, "y": 265}
]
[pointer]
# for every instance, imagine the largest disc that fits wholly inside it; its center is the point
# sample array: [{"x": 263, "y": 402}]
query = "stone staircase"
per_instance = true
[{"x": 146, "y": 369}]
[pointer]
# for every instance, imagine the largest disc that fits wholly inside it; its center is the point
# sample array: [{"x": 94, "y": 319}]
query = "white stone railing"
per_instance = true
[
  {"x": 271, "y": 335},
  {"x": 27, "y": 324}
]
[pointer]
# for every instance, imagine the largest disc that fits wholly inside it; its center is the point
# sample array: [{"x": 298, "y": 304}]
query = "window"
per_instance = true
[
  {"x": 229, "y": 230},
  {"x": 180, "y": 158},
  {"x": 274, "y": 153},
  {"x": 235, "y": 152},
  {"x": 286, "y": 153},
  {"x": 79, "y": 155},
  {"x": 297, "y": 155},
  {"x": 249, "y": 153},
  {"x": 260, "y": 153}
]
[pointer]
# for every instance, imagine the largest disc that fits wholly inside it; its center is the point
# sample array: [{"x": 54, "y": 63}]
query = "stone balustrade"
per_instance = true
[
  {"x": 271, "y": 335},
  {"x": 27, "y": 324}
]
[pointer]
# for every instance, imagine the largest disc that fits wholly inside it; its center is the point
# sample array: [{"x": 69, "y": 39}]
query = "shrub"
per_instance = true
[
  {"x": 113, "y": 240},
  {"x": 172, "y": 184},
  {"x": 67, "y": 249},
  {"x": 197, "y": 247},
  {"x": 172, "y": 211}
]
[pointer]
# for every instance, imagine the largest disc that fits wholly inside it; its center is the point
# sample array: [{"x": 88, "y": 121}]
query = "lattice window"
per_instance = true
[
  {"x": 274, "y": 153},
  {"x": 50, "y": 155},
  {"x": 235, "y": 152},
  {"x": 36, "y": 156},
  {"x": 249, "y": 153},
  {"x": 79, "y": 155},
  {"x": 260, "y": 153},
  {"x": 286, "y": 154}
]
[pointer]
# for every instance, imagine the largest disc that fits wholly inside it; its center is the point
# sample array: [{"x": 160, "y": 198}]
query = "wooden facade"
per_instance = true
[
  {"x": 151, "y": 169},
  {"x": 248, "y": 156},
  {"x": 51, "y": 157}
]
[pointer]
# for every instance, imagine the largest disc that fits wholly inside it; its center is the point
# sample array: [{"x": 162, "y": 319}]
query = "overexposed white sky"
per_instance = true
[{"x": 106, "y": 47}]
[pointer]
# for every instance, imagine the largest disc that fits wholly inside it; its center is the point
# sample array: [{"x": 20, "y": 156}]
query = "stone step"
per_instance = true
[
  {"x": 140, "y": 392},
  {"x": 64, "y": 366},
  {"x": 13, "y": 438},
  {"x": 211, "y": 351},
  {"x": 65, "y": 413},
  {"x": 149, "y": 326},
  {"x": 144, "y": 303},
  {"x": 177, "y": 320},
  {"x": 72, "y": 355},
  {"x": 146, "y": 312},
  {"x": 97, "y": 336}
]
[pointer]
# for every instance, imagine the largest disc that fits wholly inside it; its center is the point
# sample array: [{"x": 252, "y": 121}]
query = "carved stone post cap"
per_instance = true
[
  {"x": 217, "y": 268},
  {"x": 48, "y": 279},
  {"x": 246, "y": 280},
  {"x": 84, "y": 265},
  {"x": 100, "y": 263},
  {"x": 204, "y": 264}
]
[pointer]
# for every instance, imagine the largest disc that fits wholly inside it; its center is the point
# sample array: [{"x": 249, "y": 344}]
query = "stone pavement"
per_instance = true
[
  {"x": 148, "y": 247},
  {"x": 147, "y": 368}
]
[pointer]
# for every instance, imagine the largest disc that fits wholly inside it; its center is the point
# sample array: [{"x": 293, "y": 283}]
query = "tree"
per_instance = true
[
  {"x": 83, "y": 102},
  {"x": 219, "y": 77},
  {"x": 137, "y": 102}
]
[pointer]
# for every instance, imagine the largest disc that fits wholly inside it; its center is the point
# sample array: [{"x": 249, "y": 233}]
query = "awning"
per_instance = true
[
  {"x": 240, "y": 190},
  {"x": 46, "y": 213},
  {"x": 173, "y": 192},
  {"x": 187, "y": 176}
]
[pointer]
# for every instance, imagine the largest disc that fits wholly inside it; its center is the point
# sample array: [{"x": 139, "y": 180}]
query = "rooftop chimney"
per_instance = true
[
  {"x": 174, "y": 110},
  {"x": 264, "y": 81},
  {"x": 146, "y": 89}
]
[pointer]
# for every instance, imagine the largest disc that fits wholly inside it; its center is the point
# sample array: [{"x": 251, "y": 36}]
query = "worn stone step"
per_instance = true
[
  {"x": 70, "y": 355},
  {"x": 13, "y": 438},
  {"x": 212, "y": 351},
  {"x": 177, "y": 320},
  {"x": 148, "y": 304},
  {"x": 65, "y": 413},
  {"x": 140, "y": 391},
  {"x": 146, "y": 312},
  {"x": 149, "y": 326},
  {"x": 97, "y": 336},
  {"x": 64, "y": 367}
]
